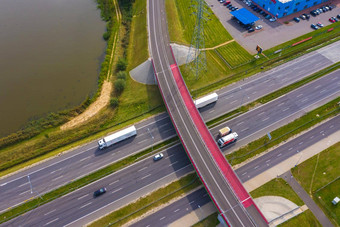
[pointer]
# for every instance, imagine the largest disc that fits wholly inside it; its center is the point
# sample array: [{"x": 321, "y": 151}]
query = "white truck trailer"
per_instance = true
[
  {"x": 117, "y": 137},
  {"x": 206, "y": 100},
  {"x": 227, "y": 139}
]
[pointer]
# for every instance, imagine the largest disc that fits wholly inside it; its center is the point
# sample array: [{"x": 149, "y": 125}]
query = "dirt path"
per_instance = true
[{"x": 222, "y": 44}]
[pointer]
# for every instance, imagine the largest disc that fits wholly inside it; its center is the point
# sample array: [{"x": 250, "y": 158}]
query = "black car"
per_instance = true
[
  {"x": 229, "y": 6},
  {"x": 313, "y": 13},
  {"x": 99, "y": 192},
  {"x": 306, "y": 15},
  {"x": 251, "y": 30},
  {"x": 338, "y": 16},
  {"x": 314, "y": 27},
  {"x": 296, "y": 19}
]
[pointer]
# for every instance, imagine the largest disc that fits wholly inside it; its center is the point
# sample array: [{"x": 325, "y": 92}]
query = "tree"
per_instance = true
[
  {"x": 122, "y": 75},
  {"x": 119, "y": 85},
  {"x": 121, "y": 64},
  {"x": 114, "y": 102}
]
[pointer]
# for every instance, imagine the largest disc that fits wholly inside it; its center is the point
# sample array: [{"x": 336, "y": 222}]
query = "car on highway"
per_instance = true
[
  {"x": 314, "y": 27},
  {"x": 99, "y": 192},
  {"x": 319, "y": 24},
  {"x": 158, "y": 157},
  {"x": 296, "y": 19}
]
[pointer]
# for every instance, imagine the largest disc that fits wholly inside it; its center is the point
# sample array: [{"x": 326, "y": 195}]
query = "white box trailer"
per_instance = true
[
  {"x": 224, "y": 131},
  {"x": 206, "y": 100},
  {"x": 227, "y": 139},
  {"x": 117, "y": 137}
]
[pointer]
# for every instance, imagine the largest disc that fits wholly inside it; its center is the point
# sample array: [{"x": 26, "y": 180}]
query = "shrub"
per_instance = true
[
  {"x": 122, "y": 75},
  {"x": 114, "y": 102},
  {"x": 106, "y": 35},
  {"x": 119, "y": 85},
  {"x": 121, "y": 64}
]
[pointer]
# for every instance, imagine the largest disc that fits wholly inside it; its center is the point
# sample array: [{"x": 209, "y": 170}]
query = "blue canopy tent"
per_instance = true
[{"x": 244, "y": 16}]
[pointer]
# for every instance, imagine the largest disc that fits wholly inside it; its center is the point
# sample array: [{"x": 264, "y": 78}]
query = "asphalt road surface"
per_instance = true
[
  {"x": 199, "y": 198},
  {"x": 86, "y": 159}
]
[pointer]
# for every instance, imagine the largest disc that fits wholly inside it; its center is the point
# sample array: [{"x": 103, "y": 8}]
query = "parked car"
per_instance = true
[
  {"x": 221, "y": 1},
  {"x": 268, "y": 17},
  {"x": 306, "y": 15},
  {"x": 331, "y": 19},
  {"x": 251, "y": 30},
  {"x": 234, "y": 9},
  {"x": 314, "y": 26},
  {"x": 330, "y": 7},
  {"x": 158, "y": 157},
  {"x": 338, "y": 16},
  {"x": 313, "y": 13},
  {"x": 319, "y": 24},
  {"x": 255, "y": 8},
  {"x": 229, "y": 6},
  {"x": 99, "y": 192},
  {"x": 296, "y": 19},
  {"x": 303, "y": 17},
  {"x": 272, "y": 19},
  {"x": 226, "y": 3},
  {"x": 258, "y": 27}
]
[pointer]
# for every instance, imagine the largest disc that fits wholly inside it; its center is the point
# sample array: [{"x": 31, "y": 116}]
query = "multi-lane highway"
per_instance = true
[
  {"x": 85, "y": 159},
  {"x": 177, "y": 164},
  {"x": 199, "y": 198}
]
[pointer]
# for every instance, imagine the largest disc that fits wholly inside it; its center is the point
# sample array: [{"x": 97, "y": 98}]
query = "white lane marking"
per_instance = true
[
  {"x": 57, "y": 178},
  {"x": 282, "y": 103},
  {"x": 299, "y": 95},
  {"x": 240, "y": 123},
  {"x": 163, "y": 125},
  {"x": 114, "y": 182},
  {"x": 304, "y": 100},
  {"x": 244, "y": 129},
  {"x": 176, "y": 210},
  {"x": 244, "y": 173},
  {"x": 324, "y": 90},
  {"x": 24, "y": 192},
  {"x": 331, "y": 126},
  {"x": 51, "y": 221},
  {"x": 142, "y": 141},
  {"x": 116, "y": 190},
  {"x": 290, "y": 148},
  {"x": 81, "y": 197},
  {"x": 21, "y": 185},
  {"x": 84, "y": 166},
  {"x": 317, "y": 87},
  {"x": 145, "y": 176},
  {"x": 85, "y": 205},
  {"x": 50, "y": 212},
  {"x": 285, "y": 109},
  {"x": 233, "y": 101},
  {"x": 334, "y": 78},
  {"x": 147, "y": 226},
  {"x": 170, "y": 156},
  {"x": 192, "y": 202},
  {"x": 162, "y": 218},
  {"x": 142, "y": 169},
  {"x": 3, "y": 184},
  {"x": 256, "y": 167},
  {"x": 279, "y": 155},
  {"x": 211, "y": 111},
  {"x": 268, "y": 160},
  {"x": 173, "y": 163},
  {"x": 311, "y": 137},
  {"x": 265, "y": 119},
  {"x": 83, "y": 159},
  {"x": 253, "y": 93},
  {"x": 260, "y": 113},
  {"x": 168, "y": 130},
  {"x": 56, "y": 170},
  {"x": 300, "y": 143}
]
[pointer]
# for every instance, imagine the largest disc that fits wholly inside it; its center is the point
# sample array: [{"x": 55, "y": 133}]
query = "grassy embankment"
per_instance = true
[
  {"x": 319, "y": 176},
  {"x": 304, "y": 219}
]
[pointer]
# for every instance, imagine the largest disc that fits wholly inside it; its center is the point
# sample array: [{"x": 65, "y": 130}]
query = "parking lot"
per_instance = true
[{"x": 272, "y": 33}]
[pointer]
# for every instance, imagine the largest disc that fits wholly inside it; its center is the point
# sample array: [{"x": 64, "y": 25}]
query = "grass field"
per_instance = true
[
  {"x": 277, "y": 187},
  {"x": 304, "y": 219},
  {"x": 174, "y": 23},
  {"x": 210, "y": 221},
  {"x": 316, "y": 173},
  {"x": 234, "y": 54},
  {"x": 214, "y": 31}
]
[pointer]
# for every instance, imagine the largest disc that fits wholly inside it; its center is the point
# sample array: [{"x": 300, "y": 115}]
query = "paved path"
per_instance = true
[{"x": 318, "y": 213}]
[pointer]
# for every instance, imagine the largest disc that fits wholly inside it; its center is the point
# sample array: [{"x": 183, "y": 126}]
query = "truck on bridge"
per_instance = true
[{"x": 117, "y": 137}]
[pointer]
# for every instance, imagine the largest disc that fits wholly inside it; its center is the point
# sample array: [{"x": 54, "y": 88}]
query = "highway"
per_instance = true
[
  {"x": 85, "y": 159},
  {"x": 199, "y": 198}
]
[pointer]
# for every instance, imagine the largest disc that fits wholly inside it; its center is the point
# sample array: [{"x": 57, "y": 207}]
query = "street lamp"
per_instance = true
[{"x": 153, "y": 138}]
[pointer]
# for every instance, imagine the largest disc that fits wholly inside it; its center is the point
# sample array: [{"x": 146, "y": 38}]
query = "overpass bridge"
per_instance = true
[{"x": 225, "y": 189}]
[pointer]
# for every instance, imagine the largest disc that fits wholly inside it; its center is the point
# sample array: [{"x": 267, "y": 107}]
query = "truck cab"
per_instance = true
[{"x": 101, "y": 144}]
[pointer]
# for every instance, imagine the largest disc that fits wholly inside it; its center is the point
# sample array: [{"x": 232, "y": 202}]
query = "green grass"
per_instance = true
[
  {"x": 306, "y": 121},
  {"x": 210, "y": 221},
  {"x": 322, "y": 171},
  {"x": 214, "y": 32},
  {"x": 324, "y": 197},
  {"x": 63, "y": 190},
  {"x": 144, "y": 204},
  {"x": 174, "y": 23},
  {"x": 234, "y": 54},
  {"x": 277, "y": 187},
  {"x": 304, "y": 219}
]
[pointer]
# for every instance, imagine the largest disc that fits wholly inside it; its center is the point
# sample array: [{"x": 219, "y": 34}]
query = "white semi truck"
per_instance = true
[
  {"x": 206, "y": 100},
  {"x": 117, "y": 137},
  {"x": 232, "y": 137}
]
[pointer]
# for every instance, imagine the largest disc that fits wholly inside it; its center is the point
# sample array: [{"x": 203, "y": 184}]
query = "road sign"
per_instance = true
[{"x": 269, "y": 136}]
